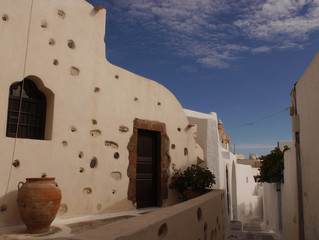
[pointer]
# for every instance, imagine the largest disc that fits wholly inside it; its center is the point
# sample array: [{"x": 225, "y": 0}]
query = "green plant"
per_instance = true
[
  {"x": 193, "y": 178},
  {"x": 271, "y": 170}
]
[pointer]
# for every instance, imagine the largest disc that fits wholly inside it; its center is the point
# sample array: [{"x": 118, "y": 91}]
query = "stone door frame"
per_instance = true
[{"x": 155, "y": 126}]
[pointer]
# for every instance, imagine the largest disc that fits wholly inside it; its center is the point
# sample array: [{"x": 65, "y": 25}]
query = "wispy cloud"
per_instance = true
[
  {"x": 254, "y": 146},
  {"x": 217, "y": 32},
  {"x": 188, "y": 68}
]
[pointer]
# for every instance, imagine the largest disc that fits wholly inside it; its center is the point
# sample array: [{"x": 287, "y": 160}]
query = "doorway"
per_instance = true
[
  {"x": 147, "y": 168},
  {"x": 149, "y": 162},
  {"x": 227, "y": 189}
]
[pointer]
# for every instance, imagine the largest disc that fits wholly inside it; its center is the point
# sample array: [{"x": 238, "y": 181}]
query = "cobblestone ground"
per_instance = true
[{"x": 250, "y": 230}]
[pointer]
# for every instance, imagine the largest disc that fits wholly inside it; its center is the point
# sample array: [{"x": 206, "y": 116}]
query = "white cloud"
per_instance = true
[
  {"x": 289, "y": 20},
  {"x": 254, "y": 146},
  {"x": 216, "y": 32},
  {"x": 188, "y": 68},
  {"x": 261, "y": 49}
]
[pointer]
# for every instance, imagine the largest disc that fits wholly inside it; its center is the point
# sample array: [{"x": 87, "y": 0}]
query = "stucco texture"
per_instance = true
[
  {"x": 307, "y": 109},
  {"x": 91, "y": 108}
]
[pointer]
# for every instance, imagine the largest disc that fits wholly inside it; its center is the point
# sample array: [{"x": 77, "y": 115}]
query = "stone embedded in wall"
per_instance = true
[
  {"x": 63, "y": 208},
  {"x": 5, "y": 17},
  {"x": 73, "y": 129},
  {"x": 51, "y": 42},
  {"x": 64, "y": 143},
  {"x": 61, "y": 14},
  {"x": 81, "y": 155},
  {"x": 94, "y": 121},
  {"x": 87, "y": 190},
  {"x": 55, "y": 62},
  {"x": 162, "y": 231},
  {"x": 16, "y": 163},
  {"x": 185, "y": 151},
  {"x": 116, "y": 175},
  {"x": 44, "y": 24},
  {"x": 44, "y": 175},
  {"x": 74, "y": 71},
  {"x": 96, "y": 90},
  {"x": 117, "y": 76},
  {"x": 93, "y": 162},
  {"x": 95, "y": 132},
  {"x": 123, "y": 128},
  {"x": 3, "y": 208},
  {"x": 111, "y": 144},
  {"x": 81, "y": 170},
  {"x": 205, "y": 231},
  {"x": 71, "y": 44},
  {"x": 116, "y": 155},
  {"x": 199, "y": 214}
]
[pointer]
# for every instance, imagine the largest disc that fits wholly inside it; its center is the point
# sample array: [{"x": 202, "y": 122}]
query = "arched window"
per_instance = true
[{"x": 32, "y": 113}]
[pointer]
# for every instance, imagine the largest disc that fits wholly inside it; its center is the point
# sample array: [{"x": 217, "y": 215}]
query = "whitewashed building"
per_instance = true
[{"x": 66, "y": 112}]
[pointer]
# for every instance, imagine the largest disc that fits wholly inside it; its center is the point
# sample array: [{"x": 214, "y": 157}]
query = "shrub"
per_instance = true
[
  {"x": 271, "y": 170},
  {"x": 193, "y": 178}
]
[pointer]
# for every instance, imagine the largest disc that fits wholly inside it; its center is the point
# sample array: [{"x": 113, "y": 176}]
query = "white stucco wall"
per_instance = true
[
  {"x": 85, "y": 93},
  {"x": 270, "y": 202},
  {"x": 207, "y": 137},
  {"x": 290, "y": 197},
  {"x": 249, "y": 193},
  {"x": 307, "y": 111},
  {"x": 217, "y": 158}
]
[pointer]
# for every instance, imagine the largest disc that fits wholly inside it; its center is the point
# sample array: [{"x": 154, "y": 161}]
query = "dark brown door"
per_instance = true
[{"x": 148, "y": 144}]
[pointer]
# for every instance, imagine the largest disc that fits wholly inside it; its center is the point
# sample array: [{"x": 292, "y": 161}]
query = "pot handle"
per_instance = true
[{"x": 19, "y": 186}]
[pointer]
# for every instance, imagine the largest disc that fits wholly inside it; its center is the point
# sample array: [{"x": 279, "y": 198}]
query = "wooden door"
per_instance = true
[{"x": 147, "y": 166}]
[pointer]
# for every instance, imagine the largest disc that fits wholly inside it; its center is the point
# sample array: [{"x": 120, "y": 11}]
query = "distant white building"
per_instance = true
[{"x": 244, "y": 195}]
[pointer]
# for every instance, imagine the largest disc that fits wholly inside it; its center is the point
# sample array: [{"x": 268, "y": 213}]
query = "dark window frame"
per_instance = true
[{"x": 30, "y": 122}]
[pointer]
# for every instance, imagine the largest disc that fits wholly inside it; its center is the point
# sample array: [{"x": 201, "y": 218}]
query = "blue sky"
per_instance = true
[{"x": 238, "y": 58}]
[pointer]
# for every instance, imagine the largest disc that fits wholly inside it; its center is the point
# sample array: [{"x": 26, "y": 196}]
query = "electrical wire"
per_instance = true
[
  {"x": 259, "y": 120},
  {"x": 20, "y": 104}
]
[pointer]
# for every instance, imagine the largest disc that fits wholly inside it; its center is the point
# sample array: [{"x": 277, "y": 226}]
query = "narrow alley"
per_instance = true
[{"x": 250, "y": 230}]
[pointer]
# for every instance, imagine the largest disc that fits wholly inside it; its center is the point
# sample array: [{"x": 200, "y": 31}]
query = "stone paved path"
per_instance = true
[{"x": 250, "y": 230}]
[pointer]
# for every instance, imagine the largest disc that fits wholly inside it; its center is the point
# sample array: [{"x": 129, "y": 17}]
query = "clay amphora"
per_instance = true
[{"x": 38, "y": 201}]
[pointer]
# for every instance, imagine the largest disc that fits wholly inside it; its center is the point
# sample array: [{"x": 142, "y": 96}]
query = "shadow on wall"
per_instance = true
[{"x": 9, "y": 207}]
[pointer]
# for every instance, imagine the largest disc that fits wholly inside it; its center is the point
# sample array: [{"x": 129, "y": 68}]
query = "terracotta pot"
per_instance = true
[{"x": 38, "y": 201}]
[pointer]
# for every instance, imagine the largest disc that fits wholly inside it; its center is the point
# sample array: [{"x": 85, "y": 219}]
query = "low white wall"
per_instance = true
[
  {"x": 181, "y": 221},
  {"x": 271, "y": 215}
]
